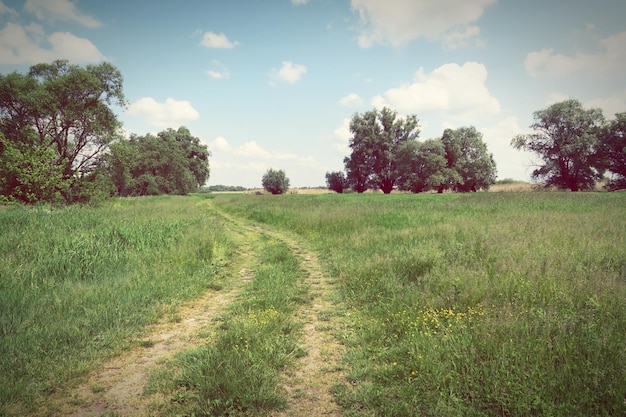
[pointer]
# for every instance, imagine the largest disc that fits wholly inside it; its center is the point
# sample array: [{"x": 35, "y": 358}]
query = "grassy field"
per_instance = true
[
  {"x": 457, "y": 305},
  {"x": 78, "y": 284},
  {"x": 484, "y": 304}
]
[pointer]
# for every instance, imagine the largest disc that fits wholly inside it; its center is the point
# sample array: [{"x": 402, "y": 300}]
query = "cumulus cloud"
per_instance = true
[
  {"x": 218, "y": 41},
  {"x": 351, "y": 100},
  {"x": 63, "y": 10},
  {"x": 171, "y": 113},
  {"x": 23, "y": 45},
  {"x": 609, "y": 60},
  {"x": 289, "y": 72},
  {"x": 407, "y": 20},
  {"x": 341, "y": 138},
  {"x": 458, "y": 90}
]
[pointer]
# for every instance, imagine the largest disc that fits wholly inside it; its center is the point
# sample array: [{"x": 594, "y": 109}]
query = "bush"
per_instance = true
[{"x": 275, "y": 181}]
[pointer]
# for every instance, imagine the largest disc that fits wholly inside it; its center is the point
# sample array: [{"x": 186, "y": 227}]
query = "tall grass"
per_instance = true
[
  {"x": 77, "y": 283},
  {"x": 484, "y": 304}
]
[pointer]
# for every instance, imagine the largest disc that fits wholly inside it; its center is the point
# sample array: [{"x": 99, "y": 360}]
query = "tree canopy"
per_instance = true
[
  {"x": 172, "y": 162},
  {"x": 275, "y": 181},
  {"x": 386, "y": 155},
  {"x": 567, "y": 139},
  {"x": 60, "y": 138}
]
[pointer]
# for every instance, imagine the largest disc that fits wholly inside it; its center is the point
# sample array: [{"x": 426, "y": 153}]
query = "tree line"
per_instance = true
[
  {"x": 576, "y": 148},
  {"x": 387, "y": 155},
  {"x": 61, "y": 141}
]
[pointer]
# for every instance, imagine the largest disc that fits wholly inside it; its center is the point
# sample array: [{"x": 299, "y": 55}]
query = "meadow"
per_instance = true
[
  {"x": 452, "y": 305},
  {"x": 79, "y": 284},
  {"x": 471, "y": 305}
]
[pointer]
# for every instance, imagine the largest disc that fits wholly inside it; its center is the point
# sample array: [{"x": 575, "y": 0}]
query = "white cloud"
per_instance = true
[
  {"x": 289, "y": 72},
  {"x": 221, "y": 73},
  {"x": 23, "y": 45},
  {"x": 457, "y": 90},
  {"x": 341, "y": 138},
  {"x": 351, "y": 100},
  {"x": 63, "y": 10},
  {"x": 609, "y": 105},
  {"x": 214, "y": 40},
  {"x": 610, "y": 60},
  {"x": 462, "y": 38},
  {"x": 510, "y": 162},
  {"x": 407, "y": 20},
  {"x": 299, "y": 2},
  {"x": 172, "y": 113},
  {"x": 220, "y": 144}
]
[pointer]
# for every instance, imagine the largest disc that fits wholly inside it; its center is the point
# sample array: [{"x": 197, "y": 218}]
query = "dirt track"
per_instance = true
[{"x": 118, "y": 386}]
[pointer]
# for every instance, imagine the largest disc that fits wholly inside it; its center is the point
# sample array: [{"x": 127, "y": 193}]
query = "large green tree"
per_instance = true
[
  {"x": 421, "y": 165},
  {"x": 66, "y": 109},
  {"x": 566, "y": 138},
  {"x": 613, "y": 151},
  {"x": 275, "y": 181},
  {"x": 470, "y": 167},
  {"x": 172, "y": 162},
  {"x": 376, "y": 137}
]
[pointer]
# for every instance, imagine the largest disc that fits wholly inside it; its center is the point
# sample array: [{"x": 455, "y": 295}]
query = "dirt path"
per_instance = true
[{"x": 118, "y": 387}]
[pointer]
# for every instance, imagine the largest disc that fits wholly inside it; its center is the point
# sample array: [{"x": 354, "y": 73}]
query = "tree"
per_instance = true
[
  {"x": 566, "y": 139},
  {"x": 469, "y": 165},
  {"x": 337, "y": 181},
  {"x": 376, "y": 137},
  {"x": 173, "y": 162},
  {"x": 275, "y": 181},
  {"x": 613, "y": 151},
  {"x": 64, "y": 108},
  {"x": 421, "y": 165}
]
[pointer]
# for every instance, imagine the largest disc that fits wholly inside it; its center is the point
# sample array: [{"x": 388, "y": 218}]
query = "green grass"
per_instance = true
[
  {"x": 78, "y": 284},
  {"x": 471, "y": 305},
  {"x": 237, "y": 371}
]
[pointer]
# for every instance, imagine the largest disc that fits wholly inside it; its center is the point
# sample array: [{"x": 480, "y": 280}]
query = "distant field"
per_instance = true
[{"x": 481, "y": 304}]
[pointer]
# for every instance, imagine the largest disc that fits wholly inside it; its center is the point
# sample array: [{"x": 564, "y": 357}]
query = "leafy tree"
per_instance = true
[
  {"x": 197, "y": 154},
  {"x": 64, "y": 108},
  {"x": 28, "y": 174},
  {"x": 173, "y": 162},
  {"x": 469, "y": 165},
  {"x": 337, "y": 181},
  {"x": 421, "y": 165},
  {"x": 376, "y": 136},
  {"x": 275, "y": 181},
  {"x": 613, "y": 151},
  {"x": 566, "y": 139}
]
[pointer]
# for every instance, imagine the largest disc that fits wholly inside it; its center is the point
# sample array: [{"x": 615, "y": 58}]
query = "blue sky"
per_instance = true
[{"x": 274, "y": 83}]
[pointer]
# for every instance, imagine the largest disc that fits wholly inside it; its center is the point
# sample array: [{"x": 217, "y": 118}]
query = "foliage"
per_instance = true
[
  {"x": 337, "y": 181},
  {"x": 613, "y": 151},
  {"x": 80, "y": 282},
  {"x": 275, "y": 181},
  {"x": 63, "y": 108},
  {"x": 567, "y": 140},
  {"x": 421, "y": 165},
  {"x": 376, "y": 136},
  {"x": 173, "y": 162},
  {"x": 220, "y": 187},
  {"x": 482, "y": 304},
  {"x": 28, "y": 174},
  {"x": 470, "y": 167}
]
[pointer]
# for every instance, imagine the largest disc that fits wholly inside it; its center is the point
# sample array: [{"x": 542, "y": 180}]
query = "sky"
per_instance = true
[{"x": 274, "y": 83}]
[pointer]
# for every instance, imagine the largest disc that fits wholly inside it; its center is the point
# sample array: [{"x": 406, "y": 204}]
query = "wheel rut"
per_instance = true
[{"x": 117, "y": 388}]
